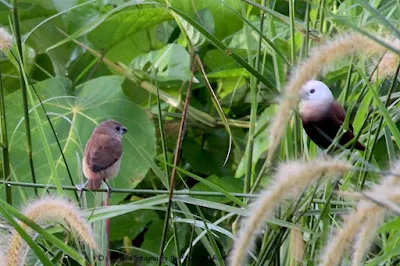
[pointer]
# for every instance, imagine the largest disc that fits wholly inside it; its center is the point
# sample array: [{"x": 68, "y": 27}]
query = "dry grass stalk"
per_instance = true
[
  {"x": 289, "y": 180},
  {"x": 5, "y": 39},
  {"x": 308, "y": 69},
  {"x": 362, "y": 222},
  {"x": 44, "y": 210}
]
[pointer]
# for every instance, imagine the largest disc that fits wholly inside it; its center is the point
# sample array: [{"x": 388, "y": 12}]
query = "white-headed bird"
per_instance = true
[{"x": 322, "y": 116}]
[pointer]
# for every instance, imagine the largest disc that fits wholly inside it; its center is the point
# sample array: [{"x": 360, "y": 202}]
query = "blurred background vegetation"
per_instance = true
[{"x": 133, "y": 61}]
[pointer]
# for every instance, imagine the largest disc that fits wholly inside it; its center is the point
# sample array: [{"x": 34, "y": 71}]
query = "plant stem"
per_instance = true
[
  {"x": 132, "y": 191},
  {"x": 17, "y": 33},
  {"x": 176, "y": 160},
  {"x": 4, "y": 140},
  {"x": 253, "y": 115}
]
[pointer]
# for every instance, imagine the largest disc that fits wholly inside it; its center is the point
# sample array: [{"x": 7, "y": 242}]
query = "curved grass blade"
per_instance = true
[
  {"x": 218, "y": 107},
  {"x": 213, "y": 186},
  {"x": 271, "y": 44},
  {"x": 314, "y": 34},
  {"x": 218, "y": 44},
  {"x": 379, "y": 17}
]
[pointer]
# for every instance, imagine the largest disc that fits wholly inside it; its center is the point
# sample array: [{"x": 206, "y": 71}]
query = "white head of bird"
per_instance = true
[{"x": 317, "y": 92}]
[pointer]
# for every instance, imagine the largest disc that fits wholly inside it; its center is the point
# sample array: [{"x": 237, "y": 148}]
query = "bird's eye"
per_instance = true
[
  {"x": 312, "y": 91},
  {"x": 117, "y": 128}
]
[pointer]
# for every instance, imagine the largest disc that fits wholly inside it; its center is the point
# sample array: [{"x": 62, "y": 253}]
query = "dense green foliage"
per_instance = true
[{"x": 100, "y": 59}]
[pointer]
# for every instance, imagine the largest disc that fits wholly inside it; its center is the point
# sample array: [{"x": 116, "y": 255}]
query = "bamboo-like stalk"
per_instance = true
[
  {"x": 4, "y": 140},
  {"x": 17, "y": 33}
]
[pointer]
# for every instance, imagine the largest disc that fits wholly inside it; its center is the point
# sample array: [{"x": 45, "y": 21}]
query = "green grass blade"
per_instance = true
[{"x": 218, "y": 44}]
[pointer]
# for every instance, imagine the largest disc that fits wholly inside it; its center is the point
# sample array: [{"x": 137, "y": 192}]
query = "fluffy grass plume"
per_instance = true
[
  {"x": 45, "y": 210},
  {"x": 362, "y": 223},
  {"x": 388, "y": 65},
  {"x": 319, "y": 57},
  {"x": 5, "y": 39},
  {"x": 296, "y": 245},
  {"x": 289, "y": 180}
]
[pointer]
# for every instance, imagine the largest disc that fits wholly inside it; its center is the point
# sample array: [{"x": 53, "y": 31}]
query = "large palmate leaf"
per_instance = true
[{"x": 74, "y": 115}]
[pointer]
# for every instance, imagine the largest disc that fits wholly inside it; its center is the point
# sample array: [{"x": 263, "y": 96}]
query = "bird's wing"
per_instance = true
[
  {"x": 338, "y": 114},
  {"x": 103, "y": 152}
]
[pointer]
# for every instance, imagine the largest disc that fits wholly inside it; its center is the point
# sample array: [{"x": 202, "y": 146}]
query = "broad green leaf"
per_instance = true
[
  {"x": 224, "y": 20},
  {"x": 95, "y": 23},
  {"x": 229, "y": 73},
  {"x": 121, "y": 226},
  {"x": 125, "y": 24},
  {"x": 74, "y": 115},
  {"x": 170, "y": 63}
]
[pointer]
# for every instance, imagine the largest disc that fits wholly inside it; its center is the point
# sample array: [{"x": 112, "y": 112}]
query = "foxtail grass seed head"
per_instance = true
[
  {"x": 362, "y": 222},
  {"x": 388, "y": 64},
  {"x": 319, "y": 58},
  {"x": 296, "y": 245},
  {"x": 288, "y": 181},
  {"x": 5, "y": 39},
  {"x": 50, "y": 209}
]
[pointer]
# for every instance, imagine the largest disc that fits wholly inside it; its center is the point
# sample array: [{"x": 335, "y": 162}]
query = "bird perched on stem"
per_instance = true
[
  {"x": 102, "y": 155},
  {"x": 322, "y": 116}
]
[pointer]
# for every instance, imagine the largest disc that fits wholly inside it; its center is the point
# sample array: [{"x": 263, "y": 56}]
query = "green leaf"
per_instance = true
[
  {"x": 125, "y": 24},
  {"x": 121, "y": 226},
  {"x": 228, "y": 183},
  {"x": 218, "y": 44},
  {"x": 95, "y": 23},
  {"x": 170, "y": 63},
  {"x": 74, "y": 115}
]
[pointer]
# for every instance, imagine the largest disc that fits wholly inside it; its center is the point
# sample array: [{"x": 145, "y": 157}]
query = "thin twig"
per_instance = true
[
  {"x": 132, "y": 191},
  {"x": 176, "y": 160},
  {"x": 20, "y": 62}
]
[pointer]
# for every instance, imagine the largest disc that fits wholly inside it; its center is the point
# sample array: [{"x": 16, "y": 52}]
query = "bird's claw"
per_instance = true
[
  {"x": 109, "y": 189},
  {"x": 80, "y": 188}
]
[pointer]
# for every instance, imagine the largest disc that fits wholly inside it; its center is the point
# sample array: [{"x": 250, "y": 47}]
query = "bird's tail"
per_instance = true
[
  {"x": 94, "y": 183},
  {"x": 359, "y": 146}
]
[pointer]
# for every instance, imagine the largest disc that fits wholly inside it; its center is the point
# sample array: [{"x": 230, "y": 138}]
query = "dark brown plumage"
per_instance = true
[
  {"x": 323, "y": 130},
  {"x": 322, "y": 116},
  {"x": 103, "y": 152}
]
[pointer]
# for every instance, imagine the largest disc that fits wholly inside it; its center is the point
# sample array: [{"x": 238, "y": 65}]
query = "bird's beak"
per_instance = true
[
  {"x": 303, "y": 95},
  {"x": 124, "y": 130}
]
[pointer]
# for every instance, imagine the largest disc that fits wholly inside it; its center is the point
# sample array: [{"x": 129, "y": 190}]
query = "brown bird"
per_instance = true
[
  {"x": 322, "y": 116},
  {"x": 102, "y": 155}
]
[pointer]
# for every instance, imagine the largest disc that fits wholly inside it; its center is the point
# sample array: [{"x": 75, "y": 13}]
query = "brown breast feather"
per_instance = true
[{"x": 323, "y": 127}]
